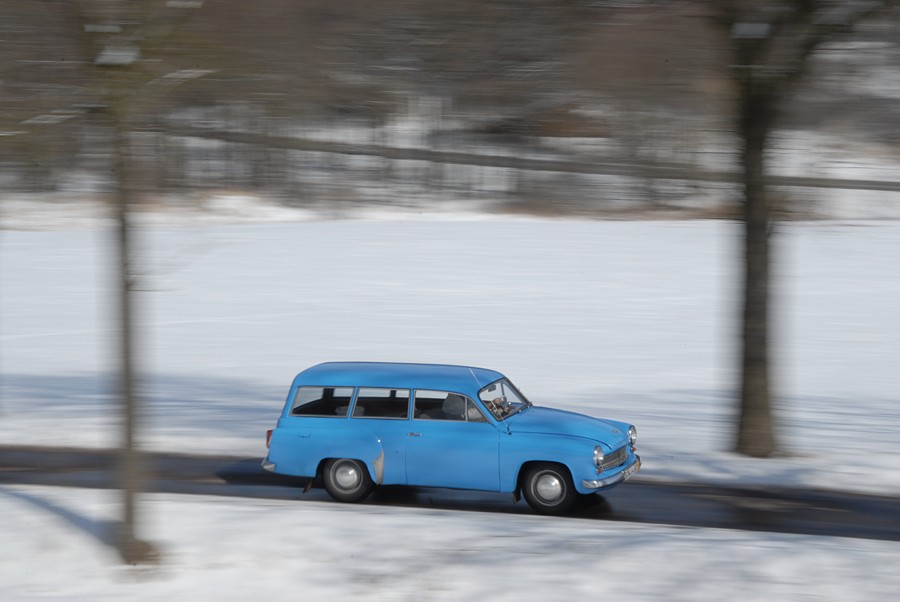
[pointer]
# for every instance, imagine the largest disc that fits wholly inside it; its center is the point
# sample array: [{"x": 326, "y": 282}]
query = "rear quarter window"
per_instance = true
[{"x": 322, "y": 401}]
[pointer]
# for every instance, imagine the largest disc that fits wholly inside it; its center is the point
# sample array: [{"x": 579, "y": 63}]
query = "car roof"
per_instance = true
[{"x": 400, "y": 376}]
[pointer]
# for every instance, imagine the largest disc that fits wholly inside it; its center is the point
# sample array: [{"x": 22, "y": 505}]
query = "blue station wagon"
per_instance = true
[{"x": 357, "y": 425}]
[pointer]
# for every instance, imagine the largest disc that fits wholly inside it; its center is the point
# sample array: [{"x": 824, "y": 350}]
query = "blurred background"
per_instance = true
[
  {"x": 574, "y": 107},
  {"x": 653, "y": 113}
]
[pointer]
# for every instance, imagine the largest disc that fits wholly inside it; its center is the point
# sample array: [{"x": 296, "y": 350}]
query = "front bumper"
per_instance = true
[{"x": 626, "y": 473}]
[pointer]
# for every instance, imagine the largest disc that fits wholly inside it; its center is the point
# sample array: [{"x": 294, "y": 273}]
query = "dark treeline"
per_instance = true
[{"x": 644, "y": 82}]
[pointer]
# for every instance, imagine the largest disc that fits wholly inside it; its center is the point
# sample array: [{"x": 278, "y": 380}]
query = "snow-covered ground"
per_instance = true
[
  {"x": 630, "y": 320},
  {"x": 230, "y": 549}
]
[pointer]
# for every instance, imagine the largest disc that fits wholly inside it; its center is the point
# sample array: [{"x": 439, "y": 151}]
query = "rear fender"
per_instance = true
[{"x": 301, "y": 452}]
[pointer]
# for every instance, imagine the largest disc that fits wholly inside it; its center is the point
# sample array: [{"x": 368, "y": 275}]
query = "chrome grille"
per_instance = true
[{"x": 616, "y": 458}]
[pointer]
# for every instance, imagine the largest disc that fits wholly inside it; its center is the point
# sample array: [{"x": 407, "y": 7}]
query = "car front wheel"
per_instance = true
[
  {"x": 346, "y": 480},
  {"x": 548, "y": 489}
]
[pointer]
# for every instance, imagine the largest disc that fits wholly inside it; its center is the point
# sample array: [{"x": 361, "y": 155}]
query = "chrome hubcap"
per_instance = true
[
  {"x": 346, "y": 476},
  {"x": 548, "y": 487}
]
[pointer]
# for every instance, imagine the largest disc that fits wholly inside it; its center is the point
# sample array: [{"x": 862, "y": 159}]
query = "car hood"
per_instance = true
[{"x": 548, "y": 421}]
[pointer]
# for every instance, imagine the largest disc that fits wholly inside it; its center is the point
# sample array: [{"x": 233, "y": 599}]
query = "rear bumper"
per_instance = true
[{"x": 626, "y": 473}]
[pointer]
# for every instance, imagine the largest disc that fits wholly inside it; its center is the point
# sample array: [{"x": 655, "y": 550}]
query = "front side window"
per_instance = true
[
  {"x": 444, "y": 405},
  {"x": 503, "y": 399},
  {"x": 374, "y": 402},
  {"x": 321, "y": 401}
]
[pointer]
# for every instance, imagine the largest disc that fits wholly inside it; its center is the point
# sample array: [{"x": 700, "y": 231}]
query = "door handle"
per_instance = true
[{"x": 414, "y": 434}]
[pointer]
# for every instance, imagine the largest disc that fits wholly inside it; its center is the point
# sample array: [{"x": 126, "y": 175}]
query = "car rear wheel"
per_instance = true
[
  {"x": 346, "y": 480},
  {"x": 548, "y": 488}
]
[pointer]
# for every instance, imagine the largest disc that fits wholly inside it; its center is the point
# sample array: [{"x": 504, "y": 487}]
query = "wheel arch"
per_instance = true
[
  {"x": 528, "y": 464},
  {"x": 374, "y": 467}
]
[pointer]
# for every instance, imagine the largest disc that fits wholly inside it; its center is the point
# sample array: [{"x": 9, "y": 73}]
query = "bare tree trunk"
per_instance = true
[
  {"x": 755, "y": 436},
  {"x": 132, "y": 549}
]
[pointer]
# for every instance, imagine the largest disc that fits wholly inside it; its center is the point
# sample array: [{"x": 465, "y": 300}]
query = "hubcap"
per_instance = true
[
  {"x": 549, "y": 487},
  {"x": 346, "y": 476}
]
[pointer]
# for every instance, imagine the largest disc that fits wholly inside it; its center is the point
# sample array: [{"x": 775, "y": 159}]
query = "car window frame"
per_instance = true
[
  {"x": 469, "y": 402},
  {"x": 359, "y": 389},
  {"x": 293, "y": 397}
]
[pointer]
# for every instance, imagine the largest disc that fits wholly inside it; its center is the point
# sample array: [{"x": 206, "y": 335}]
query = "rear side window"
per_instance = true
[
  {"x": 381, "y": 403},
  {"x": 322, "y": 401}
]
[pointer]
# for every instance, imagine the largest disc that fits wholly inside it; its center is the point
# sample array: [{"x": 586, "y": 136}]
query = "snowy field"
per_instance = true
[{"x": 628, "y": 320}]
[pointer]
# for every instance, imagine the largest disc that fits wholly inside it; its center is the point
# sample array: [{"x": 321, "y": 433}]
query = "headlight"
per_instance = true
[
  {"x": 632, "y": 436},
  {"x": 598, "y": 457}
]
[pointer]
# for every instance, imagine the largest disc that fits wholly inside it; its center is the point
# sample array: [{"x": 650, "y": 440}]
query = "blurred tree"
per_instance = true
[
  {"x": 116, "y": 36},
  {"x": 772, "y": 42}
]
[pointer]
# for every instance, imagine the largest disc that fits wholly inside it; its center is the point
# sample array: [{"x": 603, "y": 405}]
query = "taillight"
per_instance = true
[{"x": 268, "y": 437}]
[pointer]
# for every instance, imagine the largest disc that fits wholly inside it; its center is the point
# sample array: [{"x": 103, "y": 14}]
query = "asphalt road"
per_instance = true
[{"x": 640, "y": 501}]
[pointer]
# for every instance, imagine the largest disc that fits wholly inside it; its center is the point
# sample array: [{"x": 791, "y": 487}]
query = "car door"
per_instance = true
[
  {"x": 381, "y": 415},
  {"x": 451, "y": 443}
]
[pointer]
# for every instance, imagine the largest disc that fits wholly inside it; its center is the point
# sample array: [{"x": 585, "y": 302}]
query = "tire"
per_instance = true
[
  {"x": 548, "y": 489},
  {"x": 346, "y": 480}
]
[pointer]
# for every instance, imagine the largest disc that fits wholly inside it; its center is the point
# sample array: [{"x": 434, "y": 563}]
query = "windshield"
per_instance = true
[{"x": 503, "y": 399}]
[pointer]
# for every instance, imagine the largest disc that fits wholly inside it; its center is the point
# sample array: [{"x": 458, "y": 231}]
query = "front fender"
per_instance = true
[{"x": 518, "y": 449}]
